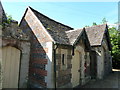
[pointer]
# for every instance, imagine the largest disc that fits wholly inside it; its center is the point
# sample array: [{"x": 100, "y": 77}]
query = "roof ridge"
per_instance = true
[
  {"x": 96, "y": 25},
  {"x": 41, "y": 24},
  {"x": 48, "y": 17},
  {"x": 73, "y": 30}
]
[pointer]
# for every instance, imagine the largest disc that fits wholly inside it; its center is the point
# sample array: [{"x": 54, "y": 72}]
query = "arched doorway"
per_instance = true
[{"x": 10, "y": 66}]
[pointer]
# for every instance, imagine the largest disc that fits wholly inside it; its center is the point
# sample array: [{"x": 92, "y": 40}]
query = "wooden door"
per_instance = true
[
  {"x": 10, "y": 64},
  {"x": 76, "y": 69},
  {"x": 93, "y": 65}
]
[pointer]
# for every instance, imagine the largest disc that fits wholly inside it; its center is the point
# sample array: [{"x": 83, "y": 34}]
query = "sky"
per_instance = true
[{"x": 73, "y": 14}]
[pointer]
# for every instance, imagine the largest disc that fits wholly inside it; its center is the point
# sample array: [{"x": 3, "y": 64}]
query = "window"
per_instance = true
[{"x": 63, "y": 59}]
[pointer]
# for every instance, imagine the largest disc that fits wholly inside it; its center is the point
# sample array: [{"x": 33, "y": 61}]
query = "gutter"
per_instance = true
[
  {"x": 54, "y": 54},
  {"x": 55, "y": 46}
]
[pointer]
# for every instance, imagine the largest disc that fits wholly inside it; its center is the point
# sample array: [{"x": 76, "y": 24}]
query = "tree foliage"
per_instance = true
[
  {"x": 9, "y": 19},
  {"x": 104, "y": 21},
  {"x": 115, "y": 41},
  {"x": 86, "y": 26},
  {"x": 94, "y": 23}
]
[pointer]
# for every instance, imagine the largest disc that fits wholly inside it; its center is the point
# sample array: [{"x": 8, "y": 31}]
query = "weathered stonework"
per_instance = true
[
  {"x": 63, "y": 71},
  {"x": 13, "y": 31},
  {"x": 59, "y": 57},
  {"x": 104, "y": 59},
  {"x": 13, "y": 36},
  {"x": 81, "y": 73}
]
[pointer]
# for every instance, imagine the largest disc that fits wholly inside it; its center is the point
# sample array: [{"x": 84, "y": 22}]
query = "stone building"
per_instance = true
[
  {"x": 49, "y": 54},
  {"x": 59, "y": 55},
  {"x": 14, "y": 54},
  {"x": 101, "y": 60}
]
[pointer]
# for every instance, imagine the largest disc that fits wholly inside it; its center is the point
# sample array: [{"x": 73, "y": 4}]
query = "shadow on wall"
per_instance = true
[{"x": 40, "y": 63}]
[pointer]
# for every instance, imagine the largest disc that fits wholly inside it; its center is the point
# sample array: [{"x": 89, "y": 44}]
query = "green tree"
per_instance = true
[
  {"x": 86, "y": 26},
  {"x": 9, "y": 19},
  {"x": 104, "y": 21},
  {"x": 115, "y": 41},
  {"x": 94, "y": 23},
  {"x": 6, "y": 21}
]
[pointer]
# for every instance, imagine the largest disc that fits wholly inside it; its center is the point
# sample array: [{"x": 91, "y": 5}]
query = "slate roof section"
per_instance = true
[
  {"x": 56, "y": 30},
  {"x": 63, "y": 34},
  {"x": 95, "y": 34},
  {"x": 73, "y": 35},
  {"x": 2, "y": 14}
]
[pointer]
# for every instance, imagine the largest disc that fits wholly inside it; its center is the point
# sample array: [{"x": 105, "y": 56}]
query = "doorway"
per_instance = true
[
  {"x": 76, "y": 71},
  {"x": 10, "y": 65}
]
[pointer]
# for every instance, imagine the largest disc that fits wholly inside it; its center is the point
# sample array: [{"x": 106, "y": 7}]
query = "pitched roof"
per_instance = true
[
  {"x": 54, "y": 28},
  {"x": 60, "y": 33},
  {"x": 2, "y": 14},
  {"x": 95, "y": 34},
  {"x": 73, "y": 35}
]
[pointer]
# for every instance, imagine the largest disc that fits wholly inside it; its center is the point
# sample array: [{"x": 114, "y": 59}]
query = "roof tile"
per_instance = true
[{"x": 95, "y": 34}]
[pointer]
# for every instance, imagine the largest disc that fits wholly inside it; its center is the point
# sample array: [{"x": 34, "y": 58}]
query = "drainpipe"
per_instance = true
[{"x": 54, "y": 51}]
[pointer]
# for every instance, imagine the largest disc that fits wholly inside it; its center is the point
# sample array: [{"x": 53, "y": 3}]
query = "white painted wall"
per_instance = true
[{"x": 49, "y": 67}]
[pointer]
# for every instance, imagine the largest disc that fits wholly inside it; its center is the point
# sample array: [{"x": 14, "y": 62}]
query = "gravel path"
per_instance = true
[{"x": 111, "y": 81}]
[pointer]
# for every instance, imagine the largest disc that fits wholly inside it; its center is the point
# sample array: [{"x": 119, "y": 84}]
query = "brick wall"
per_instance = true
[
  {"x": 38, "y": 62},
  {"x": 38, "y": 50}
]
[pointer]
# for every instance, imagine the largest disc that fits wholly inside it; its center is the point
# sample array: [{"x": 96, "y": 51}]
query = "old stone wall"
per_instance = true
[
  {"x": 104, "y": 59},
  {"x": 66, "y": 61},
  {"x": 84, "y": 64},
  {"x": 24, "y": 47},
  {"x": 63, "y": 67},
  {"x": 99, "y": 63},
  {"x": 13, "y": 36},
  {"x": 24, "y": 64},
  {"x": 107, "y": 57}
]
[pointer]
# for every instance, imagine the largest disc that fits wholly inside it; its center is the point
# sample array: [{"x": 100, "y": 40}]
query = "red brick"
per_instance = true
[
  {"x": 40, "y": 50},
  {"x": 42, "y": 83},
  {"x": 39, "y": 61},
  {"x": 39, "y": 71}
]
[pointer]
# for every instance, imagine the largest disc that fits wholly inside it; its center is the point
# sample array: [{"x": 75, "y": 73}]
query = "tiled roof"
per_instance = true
[
  {"x": 63, "y": 34},
  {"x": 95, "y": 34},
  {"x": 73, "y": 35},
  {"x": 54, "y": 28}
]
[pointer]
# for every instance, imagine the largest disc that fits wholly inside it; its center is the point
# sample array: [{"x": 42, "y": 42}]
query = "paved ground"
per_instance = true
[{"x": 111, "y": 81}]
